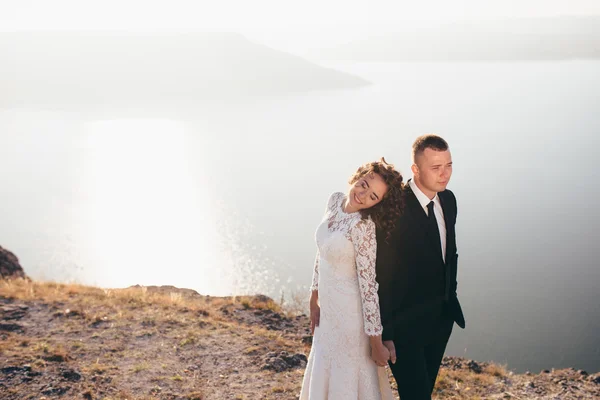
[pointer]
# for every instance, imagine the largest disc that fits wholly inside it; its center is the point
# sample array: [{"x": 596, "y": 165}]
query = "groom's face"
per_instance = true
[{"x": 433, "y": 169}]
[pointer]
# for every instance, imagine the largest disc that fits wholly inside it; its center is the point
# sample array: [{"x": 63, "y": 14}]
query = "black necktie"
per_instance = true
[
  {"x": 434, "y": 228},
  {"x": 435, "y": 231}
]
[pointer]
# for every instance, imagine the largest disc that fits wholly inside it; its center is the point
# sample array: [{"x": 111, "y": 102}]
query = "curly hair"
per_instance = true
[{"x": 385, "y": 213}]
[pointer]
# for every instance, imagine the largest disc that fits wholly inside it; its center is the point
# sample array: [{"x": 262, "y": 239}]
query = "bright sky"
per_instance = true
[{"x": 240, "y": 15}]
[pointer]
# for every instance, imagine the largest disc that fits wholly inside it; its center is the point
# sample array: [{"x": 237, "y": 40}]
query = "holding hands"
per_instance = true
[{"x": 382, "y": 352}]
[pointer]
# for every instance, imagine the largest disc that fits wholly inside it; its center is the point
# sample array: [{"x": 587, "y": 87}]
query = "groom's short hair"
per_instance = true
[{"x": 429, "y": 141}]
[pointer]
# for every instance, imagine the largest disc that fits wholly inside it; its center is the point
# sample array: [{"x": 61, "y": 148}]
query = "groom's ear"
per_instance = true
[{"x": 414, "y": 169}]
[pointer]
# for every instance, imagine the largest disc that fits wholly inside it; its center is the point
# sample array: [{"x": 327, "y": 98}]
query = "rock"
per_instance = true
[
  {"x": 148, "y": 323},
  {"x": 13, "y": 312},
  {"x": 545, "y": 371},
  {"x": 474, "y": 366},
  {"x": 24, "y": 372},
  {"x": 52, "y": 391},
  {"x": 99, "y": 321},
  {"x": 9, "y": 266},
  {"x": 203, "y": 313},
  {"x": 11, "y": 327},
  {"x": 155, "y": 390},
  {"x": 582, "y": 372},
  {"x": 11, "y": 370},
  {"x": 595, "y": 378},
  {"x": 55, "y": 358},
  {"x": 284, "y": 361},
  {"x": 71, "y": 375},
  {"x": 68, "y": 313},
  {"x": 261, "y": 298},
  {"x": 307, "y": 339},
  {"x": 453, "y": 363},
  {"x": 276, "y": 364},
  {"x": 295, "y": 360}
]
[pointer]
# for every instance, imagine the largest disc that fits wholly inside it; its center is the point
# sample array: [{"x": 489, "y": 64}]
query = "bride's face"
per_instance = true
[{"x": 367, "y": 191}]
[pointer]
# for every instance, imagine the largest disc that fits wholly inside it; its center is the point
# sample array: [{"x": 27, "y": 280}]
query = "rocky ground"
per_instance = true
[{"x": 72, "y": 341}]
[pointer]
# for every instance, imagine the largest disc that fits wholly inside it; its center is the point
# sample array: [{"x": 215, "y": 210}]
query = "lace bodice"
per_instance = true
[
  {"x": 352, "y": 260},
  {"x": 340, "y": 365}
]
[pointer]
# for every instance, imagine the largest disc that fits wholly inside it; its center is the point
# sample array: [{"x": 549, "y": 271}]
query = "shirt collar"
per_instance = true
[{"x": 423, "y": 199}]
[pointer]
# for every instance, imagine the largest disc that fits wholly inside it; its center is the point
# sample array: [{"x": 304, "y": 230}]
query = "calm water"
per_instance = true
[{"x": 226, "y": 198}]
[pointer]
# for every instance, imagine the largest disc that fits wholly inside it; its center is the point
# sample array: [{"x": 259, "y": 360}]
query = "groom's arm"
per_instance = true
[
  {"x": 458, "y": 313},
  {"x": 455, "y": 261}
]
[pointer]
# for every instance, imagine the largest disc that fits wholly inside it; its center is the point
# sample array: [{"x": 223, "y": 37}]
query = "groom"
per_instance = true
[{"x": 416, "y": 272}]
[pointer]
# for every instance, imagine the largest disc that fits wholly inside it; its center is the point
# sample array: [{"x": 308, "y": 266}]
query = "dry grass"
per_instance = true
[
  {"x": 91, "y": 330},
  {"x": 466, "y": 385},
  {"x": 496, "y": 370},
  {"x": 107, "y": 305},
  {"x": 140, "y": 367},
  {"x": 131, "y": 298},
  {"x": 252, "y": 350},
  {"x": 257, "y": 303}
]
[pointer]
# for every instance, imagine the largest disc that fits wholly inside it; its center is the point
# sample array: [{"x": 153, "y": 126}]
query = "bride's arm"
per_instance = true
[
  {"x": 365, "y": 249},
  {"x": 315, "y": 310},
  {"x": 315, "y": 278},
  {"x": 314, "y": 287}
]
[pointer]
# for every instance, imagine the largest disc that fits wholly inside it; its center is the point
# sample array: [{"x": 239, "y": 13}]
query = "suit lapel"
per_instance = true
[
  {"x": 423, "y": 220},
  {"x": 417, "y": 211}
]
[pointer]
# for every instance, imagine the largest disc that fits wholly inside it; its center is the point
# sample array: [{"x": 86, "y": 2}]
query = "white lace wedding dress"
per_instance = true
[{"x": 339, "y": 365}]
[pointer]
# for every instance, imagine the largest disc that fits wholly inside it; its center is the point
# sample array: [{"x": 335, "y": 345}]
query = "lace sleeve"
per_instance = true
[
  {"x": 315, "y": 277},
  {"x": 365, "y": 248}
]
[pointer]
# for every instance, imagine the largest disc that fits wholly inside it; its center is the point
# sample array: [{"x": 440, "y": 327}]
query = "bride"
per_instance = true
[{"x": 347, "y": 357}]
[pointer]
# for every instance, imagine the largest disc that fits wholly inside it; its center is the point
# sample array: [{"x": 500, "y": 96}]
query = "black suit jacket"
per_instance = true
[{"x": 417, "y": 289}]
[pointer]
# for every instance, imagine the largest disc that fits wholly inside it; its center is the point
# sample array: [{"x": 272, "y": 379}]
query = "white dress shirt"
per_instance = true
[{"x": 437, "y": 209}]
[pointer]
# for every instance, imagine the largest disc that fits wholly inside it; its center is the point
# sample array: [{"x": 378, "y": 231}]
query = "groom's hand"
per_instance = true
[{"x": 389, "y": 344}]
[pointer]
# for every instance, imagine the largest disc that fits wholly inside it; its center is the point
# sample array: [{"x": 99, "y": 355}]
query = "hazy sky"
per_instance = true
[{"x": 243, "y": 15}]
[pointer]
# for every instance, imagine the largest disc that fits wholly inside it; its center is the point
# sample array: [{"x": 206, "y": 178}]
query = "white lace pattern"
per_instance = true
[{"x": 339, "y": 364}]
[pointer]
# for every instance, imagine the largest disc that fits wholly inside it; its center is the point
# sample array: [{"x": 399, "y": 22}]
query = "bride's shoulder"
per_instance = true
[
  {"x": 334, "y": 199},
  {"x": 365, "y": 223}
]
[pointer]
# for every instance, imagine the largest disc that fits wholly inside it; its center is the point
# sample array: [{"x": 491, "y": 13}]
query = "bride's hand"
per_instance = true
[
  {"x": 315, "y": 312},
  {"x": 379, "y": 353}
]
